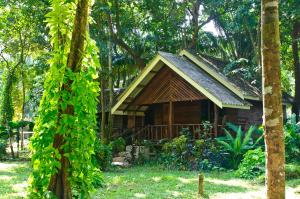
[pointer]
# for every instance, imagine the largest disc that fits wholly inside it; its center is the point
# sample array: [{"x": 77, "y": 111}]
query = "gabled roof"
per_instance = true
[
  {"x": 200, "y": 79},
  {"x": 214, "y": 67}
]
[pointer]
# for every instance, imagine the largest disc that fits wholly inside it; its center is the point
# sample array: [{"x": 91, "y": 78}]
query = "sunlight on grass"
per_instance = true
[
  {"x": 233, "y": 182},
  {"x": 156, "y": 179},
  {"x": 187, "y": 180},
  {"x": 13, "y": 179},
  {"x": 140, "y": 195}
]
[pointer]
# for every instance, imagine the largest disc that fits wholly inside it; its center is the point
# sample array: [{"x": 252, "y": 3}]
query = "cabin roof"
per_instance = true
[
  {"x": 206, "y": 81},
  {"x": 215, "y": 67},
  {"x": 222, "y": 94}
]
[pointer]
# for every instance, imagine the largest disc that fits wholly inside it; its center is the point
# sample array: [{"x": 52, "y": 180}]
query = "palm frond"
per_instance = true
[{"x": 248, "y": 135}]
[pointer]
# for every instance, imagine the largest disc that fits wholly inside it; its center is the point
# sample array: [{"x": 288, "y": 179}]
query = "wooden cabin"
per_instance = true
[{"x": 181, "y": 91}]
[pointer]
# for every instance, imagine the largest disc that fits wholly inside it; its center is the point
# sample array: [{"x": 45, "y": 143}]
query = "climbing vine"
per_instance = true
[{"x": 78, "y": 128}]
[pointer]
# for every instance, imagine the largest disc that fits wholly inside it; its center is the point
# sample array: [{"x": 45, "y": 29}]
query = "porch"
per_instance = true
[{"x": 166, "y": 121}]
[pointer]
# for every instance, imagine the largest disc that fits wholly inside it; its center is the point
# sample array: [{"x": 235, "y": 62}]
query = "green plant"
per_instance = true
[
  {"x": 118, "y": 145},
  {"x": 237, "y": 146},
  {"x": 178, "y": 153},
  {"x": 63, "y": 143},
  {"x": 3, "y": 145},
  {"x": 292, "y": 140},
  {"x": 292, "y": 171},
  {"x": 97, "y": 179},
  {"x": 102, "y": 157},
  {"x": 253, "y": 164}
]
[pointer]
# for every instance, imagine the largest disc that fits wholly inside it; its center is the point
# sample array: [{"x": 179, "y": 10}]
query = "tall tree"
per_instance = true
[
  {"x": 295, "y": 49},
  {"x": 111, "y": 90},
  {"x": 65, "y": 130},
  {"x": 272, "y": 100}
]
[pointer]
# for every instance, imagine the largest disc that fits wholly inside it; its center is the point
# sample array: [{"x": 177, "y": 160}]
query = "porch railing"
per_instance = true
[{"x": 158, "y": 132}]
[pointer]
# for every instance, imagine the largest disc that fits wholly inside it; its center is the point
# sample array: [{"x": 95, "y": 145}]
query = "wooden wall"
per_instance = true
[
  {"x": 188, "y": 112},
  {"x": 242, "y": 116}
]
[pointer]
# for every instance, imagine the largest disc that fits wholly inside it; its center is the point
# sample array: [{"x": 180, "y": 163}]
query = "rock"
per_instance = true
[
  {"x": 129, "y": 148},
  {"x": 121, "y": 164}
]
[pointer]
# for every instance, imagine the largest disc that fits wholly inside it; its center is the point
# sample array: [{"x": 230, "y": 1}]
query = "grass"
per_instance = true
[
  {"x": 155, "y": 183},
  {"x": 13, "y": 179},
  {"x": 149, "y": 182}
]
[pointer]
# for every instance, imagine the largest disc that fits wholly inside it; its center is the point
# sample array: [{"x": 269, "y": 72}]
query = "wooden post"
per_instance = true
[
  {"x": 201, "y": 186},
  {"x": 216, "y": 118},
  {"x": 170, "y": 121}
]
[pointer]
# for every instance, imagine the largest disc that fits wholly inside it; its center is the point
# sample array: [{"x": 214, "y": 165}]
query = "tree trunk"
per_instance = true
[
  {"x": 272, "y": 101},
  {"x": 117, "y": 39},
  {"x": 111, "y": 90},
  {"x": 11, "y": 144},
  {"x": 195, "y": 23},
  {"x": 103, "y": 112},
  {"x": 295, "y": 48},
  {"x": 59, "y": 183},
  {"x": 23, "y": 107}
]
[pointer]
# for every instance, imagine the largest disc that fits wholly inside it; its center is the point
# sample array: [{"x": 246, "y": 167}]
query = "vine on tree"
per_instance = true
[{"x": 78, "y": 128}]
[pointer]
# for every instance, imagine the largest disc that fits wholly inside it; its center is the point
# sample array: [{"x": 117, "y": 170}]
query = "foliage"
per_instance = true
[
  {"x": 7, "y": 109},
  {"x": 185, "y": 153},
  {"x": 102, "y": 157},
  {"x": 78, "y": 129},
  {"x": 179, "y": 153},
  {"x": 97, "y": 180},
  {"x": 292, "y": 171},
  {"x": 292, "y": 139},
  {"x": 253, "y": 164},
  {"x": 118, "y": 145},
  {"x": 3, "y": 145},
  {"x": 237, "y": 146}
]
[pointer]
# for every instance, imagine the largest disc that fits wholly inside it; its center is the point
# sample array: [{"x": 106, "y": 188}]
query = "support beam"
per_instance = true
[
  {"x": 216, "y": 119},
  {"x": 171, "y": 119}
]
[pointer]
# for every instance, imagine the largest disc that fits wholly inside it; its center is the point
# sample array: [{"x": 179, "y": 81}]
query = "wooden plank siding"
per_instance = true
[{"x": 167, "y": 86}]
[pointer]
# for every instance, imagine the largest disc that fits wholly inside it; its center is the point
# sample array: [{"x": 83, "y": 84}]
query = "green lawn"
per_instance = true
[
  {"x": 149, "y": 182},
  {"x": 155, "y": 183}
]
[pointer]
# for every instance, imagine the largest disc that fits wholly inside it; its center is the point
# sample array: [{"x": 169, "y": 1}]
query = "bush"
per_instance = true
[
  {"x": 253, "y": 164},
  {"x": 118, "y": 145},
  {"x": 3, "y": 145},
  {"x": 179, "y": 153},
  {"x": 292, "y": 140},
  {"x": 292, "y": 171},
  {"x": 239, "y": 144},
  {"x": 98, "y": 180},
  {"x": 103, "y": 156},
  {"x": 185, "y": 153}
]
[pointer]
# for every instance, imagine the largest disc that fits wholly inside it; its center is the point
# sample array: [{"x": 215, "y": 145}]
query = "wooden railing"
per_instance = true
[
  {"x": 158, "y": 132},
  {"x": 151, "y": 132}
]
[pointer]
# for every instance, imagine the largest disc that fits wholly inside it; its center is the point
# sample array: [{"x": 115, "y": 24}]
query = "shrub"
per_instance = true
[
  {"x": 292, "y": 140},
  {"x": 237, "y": 146},
  {"x": 118, "y": 145},
  {"x": 98, "y": 180},
  {"x": 253, "y": 164},
  {"x": 179, "y": 153},
  {"x": 103, "y": 156},
  {"x": 292, "y": 171},
  {"x": 185, "y": 153},
  {"x": 3, "y": 145}
]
